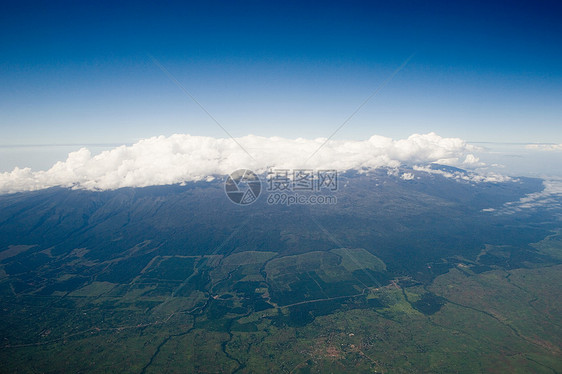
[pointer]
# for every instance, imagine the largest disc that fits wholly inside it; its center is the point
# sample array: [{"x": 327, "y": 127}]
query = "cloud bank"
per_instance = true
[
  {"x": 545, "y": 147},
  {"x": 184, "y": 158}
]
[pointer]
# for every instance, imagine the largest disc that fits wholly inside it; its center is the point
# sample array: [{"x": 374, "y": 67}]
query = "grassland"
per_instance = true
[{"x": 255, "y": 311}]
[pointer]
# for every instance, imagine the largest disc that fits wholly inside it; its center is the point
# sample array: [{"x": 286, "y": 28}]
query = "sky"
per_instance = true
[{"x": 76, "y": 74}]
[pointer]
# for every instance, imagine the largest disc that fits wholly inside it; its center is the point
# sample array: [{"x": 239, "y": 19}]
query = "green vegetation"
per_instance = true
[
  {"x": 551, "y": 245},
  {"x": 359, "y": 259},
  {"x": 310, "y": 313}
]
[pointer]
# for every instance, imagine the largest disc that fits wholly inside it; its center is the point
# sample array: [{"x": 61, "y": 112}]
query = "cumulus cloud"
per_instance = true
[
  {"x": 407, "y": 176},
  {"x": 184, "y": 158}
]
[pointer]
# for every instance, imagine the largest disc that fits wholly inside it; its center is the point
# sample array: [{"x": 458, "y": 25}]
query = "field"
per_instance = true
[
  {"x": 251, "y": 311},
  {"x": 398, "y": 277}
]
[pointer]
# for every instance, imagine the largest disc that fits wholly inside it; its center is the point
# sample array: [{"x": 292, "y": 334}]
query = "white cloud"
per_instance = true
[
  {"x": 489, "y": 177},
  {"x": 407, "y": 176},
  {"x": 470, "y": 159},
  {"x": 545, "y": 147},
  {"x": 550, "y": 197},
  {"x": 183, "y": 158}
]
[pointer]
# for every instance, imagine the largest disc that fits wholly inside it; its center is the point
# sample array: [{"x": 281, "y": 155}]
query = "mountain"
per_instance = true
[{"x": 172, "y": 277}]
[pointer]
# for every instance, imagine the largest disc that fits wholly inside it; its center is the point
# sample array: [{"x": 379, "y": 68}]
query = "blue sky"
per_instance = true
[{"x": 80, "y": 72}]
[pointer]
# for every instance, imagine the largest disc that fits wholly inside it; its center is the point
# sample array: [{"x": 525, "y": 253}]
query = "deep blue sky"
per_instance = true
[{"x": 78, "y": 72}]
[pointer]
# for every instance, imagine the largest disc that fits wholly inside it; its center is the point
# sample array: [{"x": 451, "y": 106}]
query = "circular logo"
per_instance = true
[{"x": 242, "y": 187}]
